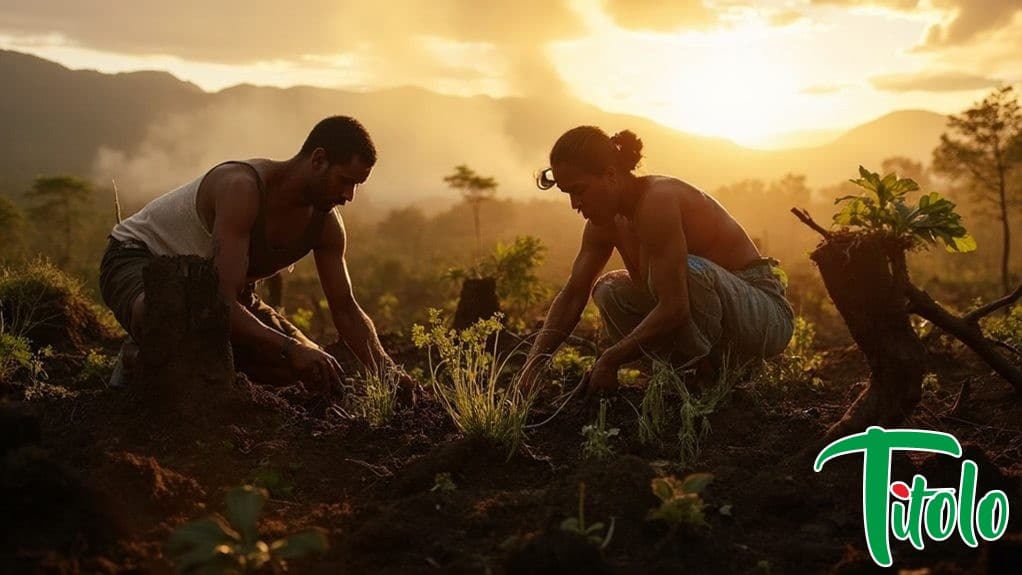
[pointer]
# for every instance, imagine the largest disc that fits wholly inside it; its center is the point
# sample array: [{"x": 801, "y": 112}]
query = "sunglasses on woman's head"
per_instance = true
[{"x": 545, "y": 179}]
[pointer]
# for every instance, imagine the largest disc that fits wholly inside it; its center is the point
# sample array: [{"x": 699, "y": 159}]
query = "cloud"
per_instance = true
[
  {"x": 972, "y": 18},
  {"x": 389, "y": 39},
  {"x": 964, "y": 20},
  {"x": 660, "y": 16},
  {"x": 784, "y": 17},
  {"x": 932, "y": 82}
]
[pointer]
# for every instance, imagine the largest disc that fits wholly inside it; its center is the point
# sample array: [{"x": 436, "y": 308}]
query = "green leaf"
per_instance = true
[
  {"x": 662, "y": 489},
  {"x": 244, "y": 505},
  {"x": 696, "y": 482},
  {"x": 725, "y": 510},
  {"x": 595, "y": 528},
  {"x": 300, "y": 544},
  {"x": 963, "y": 244},
  {"x": 211, "y": 531},
  {"x": 570, "y": 524}
]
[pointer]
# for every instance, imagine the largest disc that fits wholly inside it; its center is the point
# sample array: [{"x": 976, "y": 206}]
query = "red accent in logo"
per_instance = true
[{"x": 899, "y": 490}]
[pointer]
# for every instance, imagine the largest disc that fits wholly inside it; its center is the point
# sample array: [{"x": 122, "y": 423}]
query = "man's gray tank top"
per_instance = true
[{"x": 170, "y": 225}]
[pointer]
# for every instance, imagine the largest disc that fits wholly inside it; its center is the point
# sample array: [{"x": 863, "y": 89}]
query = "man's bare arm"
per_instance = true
[
  {"x": 236, "y": 203},
  {"x": 353, "y": 325},
  {"x": 567, "y": 307}
]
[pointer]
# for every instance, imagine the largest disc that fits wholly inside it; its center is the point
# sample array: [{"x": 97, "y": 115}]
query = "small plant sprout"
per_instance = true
[
  {"x": 597, "y": 436},
  {"x": 217, "y": 545},
  {"x": 667, "y": 402},
  {"x": 798, "y": 364},
  {"x": 577, "y": 525},
  {"x": 375, "y": 395},
  {"x": 471, "y": 382},
  {"x": 443, "y": 483},
  {"x": 681, "y": 506},
  {"x": 568, "y": 366}
]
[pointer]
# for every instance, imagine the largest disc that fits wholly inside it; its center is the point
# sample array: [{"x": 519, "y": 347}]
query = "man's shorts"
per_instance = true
[
  {"x": 742, "y": 314},
  {"x": 120, "y": 282}
]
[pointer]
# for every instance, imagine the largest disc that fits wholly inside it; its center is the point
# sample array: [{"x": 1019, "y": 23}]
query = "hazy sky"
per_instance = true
[{"x": 741, "y": 69}]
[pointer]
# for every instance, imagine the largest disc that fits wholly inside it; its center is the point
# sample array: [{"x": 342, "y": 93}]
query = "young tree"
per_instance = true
[
  {"x": 61, "y": 201},
  {"x": 475, "y": 190},
  {"x": 983, "y": 148}
]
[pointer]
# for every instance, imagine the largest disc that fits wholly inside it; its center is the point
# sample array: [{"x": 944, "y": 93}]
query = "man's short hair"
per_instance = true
[{"x": 342, "y": 138}]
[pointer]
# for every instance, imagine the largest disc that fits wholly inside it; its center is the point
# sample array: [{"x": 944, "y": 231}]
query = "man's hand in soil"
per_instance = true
[
  {"x": 317, "y": 369},
  {"x": 601, "y": 379},
  {"x": 407, "y": 387}
]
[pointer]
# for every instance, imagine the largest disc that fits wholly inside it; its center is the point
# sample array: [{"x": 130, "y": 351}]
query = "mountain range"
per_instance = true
[{"x": 150, "y": 132}]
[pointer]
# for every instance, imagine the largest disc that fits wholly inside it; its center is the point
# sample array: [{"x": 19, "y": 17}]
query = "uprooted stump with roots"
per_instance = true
[
  {"x": 858, "y": 277},
  {"x": 867, "y": 278}
]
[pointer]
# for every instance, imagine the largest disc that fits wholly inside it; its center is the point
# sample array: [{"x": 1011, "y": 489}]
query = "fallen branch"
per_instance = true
[
  {"x": 968, "y": 332},
  {"x": 975, "y": 315},
  {"x": 806, "y": 219}
]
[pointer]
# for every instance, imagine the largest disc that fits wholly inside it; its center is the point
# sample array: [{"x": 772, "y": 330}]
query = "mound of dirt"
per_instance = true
[
  {"x": 45, "y": 305},
  {"x": 142, "y": 492},
  {"x": 616, "y": 488},
  {"x": 557, "y": 553}
]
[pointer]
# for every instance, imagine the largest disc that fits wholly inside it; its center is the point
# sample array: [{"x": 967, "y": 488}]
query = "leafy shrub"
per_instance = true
[
  {"x": 514, "y": 267},
  {"x": 883, "y": 208},
  {"x": 681, "y": 506},
  {"x": 466, "y": 377},
  {"x": 217, "y": 545}
]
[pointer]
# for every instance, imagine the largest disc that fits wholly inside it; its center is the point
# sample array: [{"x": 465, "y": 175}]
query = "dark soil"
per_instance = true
[{"x": 103, "y": 483}]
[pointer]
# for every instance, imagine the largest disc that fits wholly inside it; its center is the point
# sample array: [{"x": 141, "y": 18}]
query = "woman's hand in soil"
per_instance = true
[
  {"x": 601, "y": 379},
  {"x": 317, "y": 369}
]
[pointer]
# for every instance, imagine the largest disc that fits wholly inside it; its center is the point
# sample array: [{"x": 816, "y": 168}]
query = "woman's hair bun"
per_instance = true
[{"x": 629, "y": 149}]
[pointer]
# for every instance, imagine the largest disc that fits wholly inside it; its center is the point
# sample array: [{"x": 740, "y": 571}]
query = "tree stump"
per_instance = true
[
  {"x": 478, "y": 300},
  {"x": 857, "y": 272},
  {"x": 185, "y": 359}
]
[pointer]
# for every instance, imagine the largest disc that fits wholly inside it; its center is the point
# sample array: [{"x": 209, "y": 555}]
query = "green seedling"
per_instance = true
[
  {"x": 592, "y": 533},
  {"x": 96, "y": 367},
  {"x": 568, "y": 366},
  {"x": 681, "y": 506},
  {"x": 374, "y": 396},
  {"x": 218, "y": 545},
  {"x": 472, "y": 382},
  {"x": 667, "y": 403},
  {"x": 796, "y": 366},
  {"x": 443, "y": 483},
  {"x": 597, "y": 436}
]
